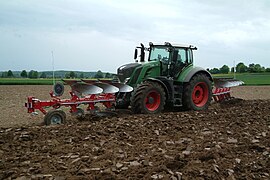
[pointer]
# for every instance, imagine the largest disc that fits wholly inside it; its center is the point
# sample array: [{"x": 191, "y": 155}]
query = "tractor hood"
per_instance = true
[{"x": 126, "y": 70}]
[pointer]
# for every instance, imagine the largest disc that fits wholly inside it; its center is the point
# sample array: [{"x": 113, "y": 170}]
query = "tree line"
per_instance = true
[
  {"x": 240, "y": 68},
  {"x": 225, "y": 69},
  {"x": 68, "y": 75}
]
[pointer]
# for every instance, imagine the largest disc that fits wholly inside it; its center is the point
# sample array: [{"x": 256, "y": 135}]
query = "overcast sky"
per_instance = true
[{"x": 92, "y": 35}]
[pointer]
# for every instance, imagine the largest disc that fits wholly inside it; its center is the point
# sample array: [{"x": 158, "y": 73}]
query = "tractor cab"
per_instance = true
[{"x": 173, "y": 58}]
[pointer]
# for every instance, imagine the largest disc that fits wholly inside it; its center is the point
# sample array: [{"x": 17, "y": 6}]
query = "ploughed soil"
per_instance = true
[
  {"x": 229, "y": 141},
  {"x": 14, "y": 114}
]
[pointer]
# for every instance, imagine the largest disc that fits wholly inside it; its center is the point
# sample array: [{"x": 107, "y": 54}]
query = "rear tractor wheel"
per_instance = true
[
  {"x": 197, "y": 93},
  {"x": 148, "y": 98},
  {"x": 54, "y": 117}
]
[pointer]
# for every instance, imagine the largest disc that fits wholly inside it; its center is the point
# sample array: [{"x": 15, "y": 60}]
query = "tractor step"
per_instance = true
[{"x": 177, "y": 95}]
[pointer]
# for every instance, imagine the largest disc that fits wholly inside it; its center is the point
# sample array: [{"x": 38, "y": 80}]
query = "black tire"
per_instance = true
[
  {"x": 54, "y": 117},
  {"x": 197, "y": 93},
  {"x": 124, "y": 101},
  {"x": 79, "y": 113},
  {"x": 58, "y": 89},
  {"x": 148, "y": 98}
]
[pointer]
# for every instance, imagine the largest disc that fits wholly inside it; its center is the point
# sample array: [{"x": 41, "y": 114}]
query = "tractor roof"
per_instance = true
[{"x": 174, "y": 45}]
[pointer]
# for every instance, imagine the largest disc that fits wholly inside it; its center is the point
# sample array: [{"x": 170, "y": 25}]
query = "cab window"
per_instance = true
[
  {"x": 159, "y": 54},
  {"x": 181, "y": 55}
]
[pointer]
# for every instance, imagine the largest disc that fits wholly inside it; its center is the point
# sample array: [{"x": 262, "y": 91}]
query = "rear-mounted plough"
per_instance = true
[{"x": 87, "y": 92}]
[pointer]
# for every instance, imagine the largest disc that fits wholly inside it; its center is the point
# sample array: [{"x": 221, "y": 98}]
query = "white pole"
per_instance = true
[
  {"x": 234, "y": 69},
  {"x": 53, "y": 68}
]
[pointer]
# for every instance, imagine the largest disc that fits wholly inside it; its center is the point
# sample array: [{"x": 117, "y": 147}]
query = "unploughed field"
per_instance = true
[
  {"x": 248, "y": 78},
  {"x": 231, "y": 140}
]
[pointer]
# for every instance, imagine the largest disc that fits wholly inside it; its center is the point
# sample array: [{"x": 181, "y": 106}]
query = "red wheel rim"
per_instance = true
[
  {"x": 200, "y": 94},
  {"x": 152, "y": 101}
]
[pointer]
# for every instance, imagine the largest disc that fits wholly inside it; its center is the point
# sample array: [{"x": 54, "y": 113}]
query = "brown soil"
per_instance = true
[
  {"x": 251, "y": 92},
  {"x": 231, "y": 140}
]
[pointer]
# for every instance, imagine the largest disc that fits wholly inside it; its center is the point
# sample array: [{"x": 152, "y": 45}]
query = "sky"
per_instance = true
[{"x": 91, "y": 35}]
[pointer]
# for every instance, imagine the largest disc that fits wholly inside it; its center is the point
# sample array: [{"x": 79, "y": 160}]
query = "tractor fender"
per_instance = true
[
  {"x": 160, "y": 82},
  {"x": 197, "y": 70}
]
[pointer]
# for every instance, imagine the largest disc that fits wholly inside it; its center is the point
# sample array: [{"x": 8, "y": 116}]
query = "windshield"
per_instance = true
[{"x": 159, "y": 53}]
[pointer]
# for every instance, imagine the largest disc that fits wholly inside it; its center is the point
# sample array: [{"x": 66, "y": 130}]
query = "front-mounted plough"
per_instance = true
[{"x": 85, "y": 92}]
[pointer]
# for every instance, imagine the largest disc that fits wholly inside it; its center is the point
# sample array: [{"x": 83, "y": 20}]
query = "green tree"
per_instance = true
[
  {"x": 33, "y": 74},
  {"x": 99, "y": 74},
  {"x": 72, "y": 74},
  {"x": 24, "y": 74},
  {"x": 43, "y": 75},
  {"x": 10, "y": 74},
  {"x": 232, "y": 69},
  {"x": 241, "y": 68},
  {"x": 224, "y": 69},
  {"x": 81, "y": 75},
  {"x": 257, "y": 68},
  {"x": 251, "y": 68},
  {"x": 267, "y": 70},
  {"x": 67, "y": 75},
  {"x": 4, "y": 74},
  {"x": 108, "y": 75},
  {"x": 214, "y": 71}
]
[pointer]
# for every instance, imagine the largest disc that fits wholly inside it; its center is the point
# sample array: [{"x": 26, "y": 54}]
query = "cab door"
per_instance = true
[{"x": 180, "y": 59}]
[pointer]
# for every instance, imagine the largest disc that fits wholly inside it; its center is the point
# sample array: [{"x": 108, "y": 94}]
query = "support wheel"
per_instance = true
[
  {"x": 148, "y": 98},
  {"x": 54, "y": 117},
  {"x": 197, "y": 93}
]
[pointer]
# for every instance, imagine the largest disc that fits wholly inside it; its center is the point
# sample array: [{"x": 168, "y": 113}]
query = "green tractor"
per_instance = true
[{"x": 167, "y": 79}]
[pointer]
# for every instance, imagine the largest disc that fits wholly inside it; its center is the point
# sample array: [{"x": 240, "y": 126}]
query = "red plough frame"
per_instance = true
[
  {"x": 221, "y": 94},
  {"x": 106, "y": 99}
]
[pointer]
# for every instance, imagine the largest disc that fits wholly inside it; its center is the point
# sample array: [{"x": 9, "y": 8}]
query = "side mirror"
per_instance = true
[{"x": 136, "y": 54}]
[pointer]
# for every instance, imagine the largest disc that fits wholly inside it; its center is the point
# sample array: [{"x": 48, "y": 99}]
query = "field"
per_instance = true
[
  {"x": 250, "y": 78},
  {"x": 229, "y": 141},
  {"x": 21, "y": 81}
]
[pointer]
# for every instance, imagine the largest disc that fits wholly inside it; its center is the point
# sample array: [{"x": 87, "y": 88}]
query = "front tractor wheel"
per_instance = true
[
  {"x": 197, "y": 93},
  {"x": 148, "y": 98}
]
